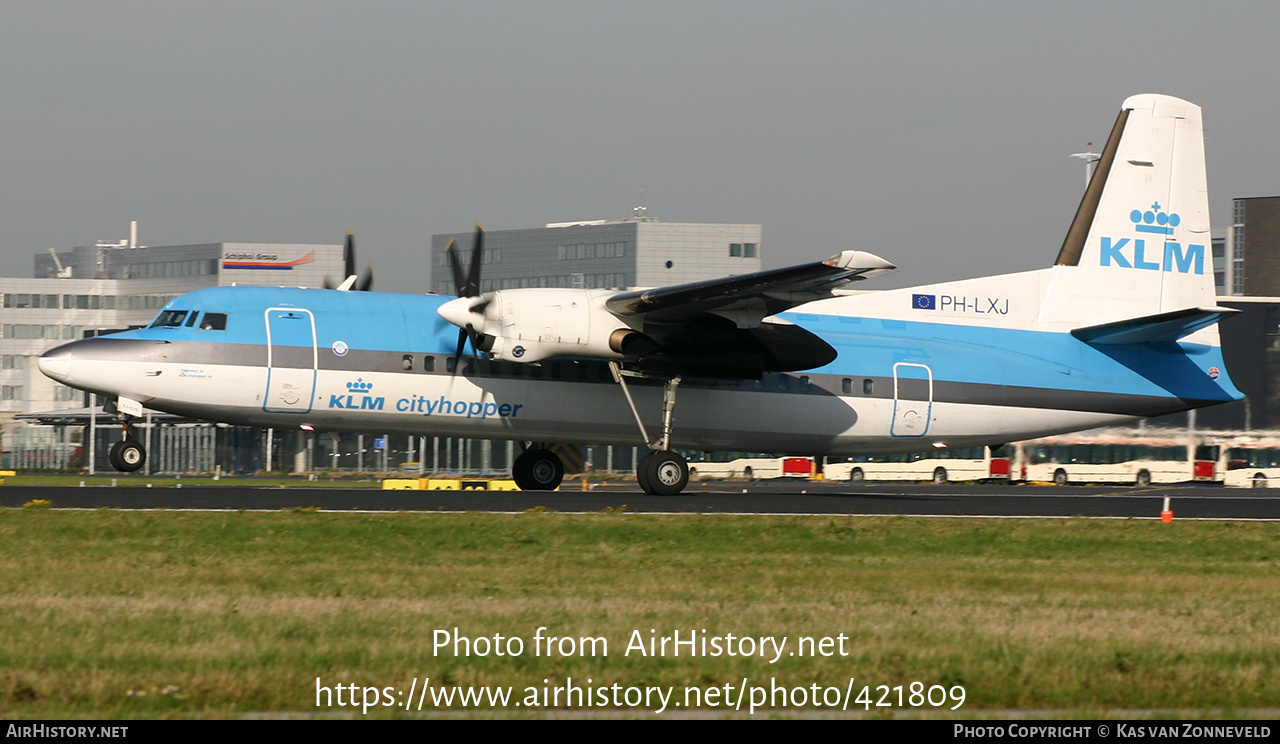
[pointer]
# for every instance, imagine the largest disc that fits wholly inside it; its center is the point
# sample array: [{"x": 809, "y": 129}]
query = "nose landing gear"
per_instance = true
[{"x": 127, "y": 455}]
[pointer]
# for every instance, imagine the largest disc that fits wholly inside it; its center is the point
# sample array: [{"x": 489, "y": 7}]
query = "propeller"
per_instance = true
[
  {"x": 350, "y": 280},
  {"x": 469, "y": 286}
]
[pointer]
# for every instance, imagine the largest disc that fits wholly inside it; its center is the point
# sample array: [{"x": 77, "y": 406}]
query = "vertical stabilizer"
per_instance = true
[{"x": 1139, "y": 244}]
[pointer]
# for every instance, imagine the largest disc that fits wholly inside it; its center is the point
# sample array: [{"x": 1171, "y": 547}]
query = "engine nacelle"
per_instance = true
[{"x": 532, "y": 324}]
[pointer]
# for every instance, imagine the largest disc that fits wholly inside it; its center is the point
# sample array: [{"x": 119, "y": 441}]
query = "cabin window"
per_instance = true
[
  {"x": 868, "y": 387},
  {"x": 406, "y": 362},
  {"x": 169, "y": 319},
  {"x": 428, "y": 363},
  {"x": 846, "y": 386},
  {"x": 214, "y": 322},
  {"x": 804, "y": 383},
  {"x": 784, "y": 382},
  {"x": 451, "y": 365}
]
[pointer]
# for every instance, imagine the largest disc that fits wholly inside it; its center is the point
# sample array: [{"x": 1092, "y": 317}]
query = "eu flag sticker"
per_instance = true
[{"x": 924, "y": 302}]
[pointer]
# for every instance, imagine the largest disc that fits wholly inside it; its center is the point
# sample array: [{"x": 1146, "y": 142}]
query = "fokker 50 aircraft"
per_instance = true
[{"x": 1123, "y": 325}]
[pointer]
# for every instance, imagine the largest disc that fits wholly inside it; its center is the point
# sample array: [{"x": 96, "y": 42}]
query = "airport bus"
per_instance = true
[
  {"x": 936, "y": 465},
  {"x": 1135, "y": 456},
  {"x": 751, "y": 466},
  {"x": 1249, "y": 460}
]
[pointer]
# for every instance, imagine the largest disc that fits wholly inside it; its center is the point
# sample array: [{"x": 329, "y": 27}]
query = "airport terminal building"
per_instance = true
[{"x": 607, "y": 254}]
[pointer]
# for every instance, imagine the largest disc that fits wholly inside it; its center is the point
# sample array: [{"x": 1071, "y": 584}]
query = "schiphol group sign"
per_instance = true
[{"x": 266, "y": 260}]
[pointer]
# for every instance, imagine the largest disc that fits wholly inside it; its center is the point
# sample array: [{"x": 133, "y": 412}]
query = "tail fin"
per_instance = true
[{"x": 1140, "y": 239}]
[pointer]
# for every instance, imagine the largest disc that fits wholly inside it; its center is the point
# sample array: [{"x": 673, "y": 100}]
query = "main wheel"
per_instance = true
[
  {"x": 665, "y": 474},
  {"x": 642, "y": 473},
  {"x": 538, "y": 470},
  {"x": 127, "y": 455}
]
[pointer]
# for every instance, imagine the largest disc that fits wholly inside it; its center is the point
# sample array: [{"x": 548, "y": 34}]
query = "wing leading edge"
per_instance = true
[{"x": 748, "y": 299}]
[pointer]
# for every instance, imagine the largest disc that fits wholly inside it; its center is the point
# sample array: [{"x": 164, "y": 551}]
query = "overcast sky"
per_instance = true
[{"x": 934, "y": 134}]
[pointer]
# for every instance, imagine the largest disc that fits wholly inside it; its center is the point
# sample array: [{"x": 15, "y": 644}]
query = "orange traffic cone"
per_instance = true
[{"x": 1167, "y": 514}]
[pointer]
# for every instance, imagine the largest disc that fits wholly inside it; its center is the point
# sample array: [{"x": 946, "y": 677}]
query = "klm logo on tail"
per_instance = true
[{"x": 1133, "y": 253}]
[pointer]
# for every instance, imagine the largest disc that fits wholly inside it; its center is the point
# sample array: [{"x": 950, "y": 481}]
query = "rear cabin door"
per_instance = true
[
  {"x": 291, "y": 360},
  {"x": 912, "y": 400}
]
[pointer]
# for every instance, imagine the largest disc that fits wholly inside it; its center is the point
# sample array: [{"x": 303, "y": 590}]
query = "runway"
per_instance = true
[{"x": 727, "y": 497}]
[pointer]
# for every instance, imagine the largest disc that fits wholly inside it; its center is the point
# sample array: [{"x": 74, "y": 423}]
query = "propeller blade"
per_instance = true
[
  {"x": 349, "y": 255},
  {"x": 458, "y": 281},
  {"x": 477, "y": 257},
  {"x": 366, "y": 282}
]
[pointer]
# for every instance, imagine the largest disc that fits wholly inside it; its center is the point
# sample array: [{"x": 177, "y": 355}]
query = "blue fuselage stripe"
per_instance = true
[{"x": 867, "y": 347}]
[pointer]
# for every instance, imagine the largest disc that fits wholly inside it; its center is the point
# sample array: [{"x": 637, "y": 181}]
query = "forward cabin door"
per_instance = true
[
  {"x": 912, "y": 400},
  {"x": 291, "y": 360}
]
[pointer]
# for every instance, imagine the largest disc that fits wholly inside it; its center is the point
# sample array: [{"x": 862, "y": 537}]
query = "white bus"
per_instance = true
[
  {"x": 1249, "y": 460},
  {"x": 938, "y": 466},
  {"x": 729, "y": 465},
  {"x": 1139, "y": 457}
]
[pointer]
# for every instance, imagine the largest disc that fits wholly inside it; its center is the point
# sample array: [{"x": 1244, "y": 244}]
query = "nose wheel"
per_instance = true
[{"x": 127, "y": 455}]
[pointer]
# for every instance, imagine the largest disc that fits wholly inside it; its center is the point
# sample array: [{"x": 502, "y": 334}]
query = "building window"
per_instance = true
[{"x": 735, "y": 250}]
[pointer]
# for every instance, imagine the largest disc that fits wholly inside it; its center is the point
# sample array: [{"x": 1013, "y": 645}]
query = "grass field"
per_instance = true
[{"x": 130, "y": 614}]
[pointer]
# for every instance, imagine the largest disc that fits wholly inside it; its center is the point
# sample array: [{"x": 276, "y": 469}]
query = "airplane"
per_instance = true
[{"x": 1121, "y": 326}]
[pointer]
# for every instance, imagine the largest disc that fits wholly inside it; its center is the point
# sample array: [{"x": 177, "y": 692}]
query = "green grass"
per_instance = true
[{"x": 236, "y": 613}]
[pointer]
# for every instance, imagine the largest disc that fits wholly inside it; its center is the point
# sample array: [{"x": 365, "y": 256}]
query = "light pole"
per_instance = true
[{"x": 1090, "y": 159}]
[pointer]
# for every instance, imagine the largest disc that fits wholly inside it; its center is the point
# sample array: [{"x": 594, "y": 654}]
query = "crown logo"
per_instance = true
[
  {"x": 359, "y": 386},
  {"x": 1154, "y": 221}
]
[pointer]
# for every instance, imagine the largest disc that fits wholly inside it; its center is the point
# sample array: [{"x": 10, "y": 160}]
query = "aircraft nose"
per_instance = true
[{"x": 56, "y": 363}]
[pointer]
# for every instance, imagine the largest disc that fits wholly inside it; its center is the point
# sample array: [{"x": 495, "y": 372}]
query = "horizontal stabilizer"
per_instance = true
[{"x": 1162, "y": 328}]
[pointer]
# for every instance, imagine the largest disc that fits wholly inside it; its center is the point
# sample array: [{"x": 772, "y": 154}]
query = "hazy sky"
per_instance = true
[{"x": 934, "y": 134}]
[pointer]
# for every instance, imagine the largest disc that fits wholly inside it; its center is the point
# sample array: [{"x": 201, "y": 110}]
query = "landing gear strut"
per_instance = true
[
  {"x": 538, "y": 469},
  {"x": 661, "y": 472}
]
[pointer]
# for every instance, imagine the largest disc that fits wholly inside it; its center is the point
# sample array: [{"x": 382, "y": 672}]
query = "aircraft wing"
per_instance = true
[{"x": 749, "y": 298}]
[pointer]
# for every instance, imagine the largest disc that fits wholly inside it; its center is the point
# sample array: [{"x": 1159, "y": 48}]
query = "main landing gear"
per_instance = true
[
  {"x": 537, "y": 469},
  {"x": 661, "y": 472}
]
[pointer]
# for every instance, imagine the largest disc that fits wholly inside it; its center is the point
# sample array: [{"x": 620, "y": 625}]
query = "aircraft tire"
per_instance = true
[
  {"x": 664, "y": 474},
  {"x": 538, "y": 470},
  {"x": 642, "y": 473},
  {"x": 127, "y": 456}
]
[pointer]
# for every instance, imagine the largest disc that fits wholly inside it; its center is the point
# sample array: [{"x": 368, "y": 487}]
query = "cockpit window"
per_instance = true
[
  {"x": 169, "y": 319},
  {"x": 192, "y": 320},
  {"x": 214, "y": 322}
]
